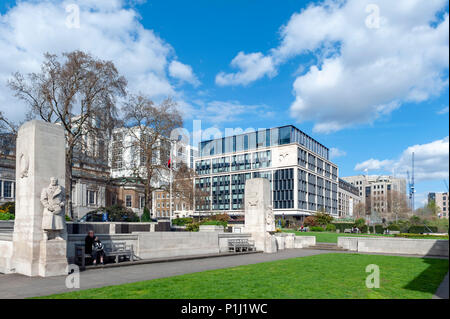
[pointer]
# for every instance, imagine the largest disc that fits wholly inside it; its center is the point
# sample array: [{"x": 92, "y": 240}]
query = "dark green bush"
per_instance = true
[
  {"x": 315, "y": 228},
  {"x": 393, "y": 227},
  {"x": 379, "y": 229},
  {"x": 215, "y": 222},
  {"x": 330, "y": 227},
  {"x": 193, "y": 226},
  {"x": 422, "y": 229},
  {"x": 146, "y": 215},
  {"x": 182, "y": 221}
]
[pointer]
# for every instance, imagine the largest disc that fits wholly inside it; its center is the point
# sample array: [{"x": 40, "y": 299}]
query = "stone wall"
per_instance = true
[
  {"x": 6, "y": 250},
  {"x": 429, "y": 247},
  {"x": 109, "y": 227},
  {"x": 171, "y": 244}
]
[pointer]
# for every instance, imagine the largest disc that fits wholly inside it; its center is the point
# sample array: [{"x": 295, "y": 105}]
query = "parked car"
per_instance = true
[{"x": 95, "y": 216}]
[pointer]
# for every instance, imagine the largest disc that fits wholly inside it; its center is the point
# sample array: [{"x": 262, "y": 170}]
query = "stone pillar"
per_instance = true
[
  {"x": 40, "y": 155},
  {"x": 259, "y": 217}
]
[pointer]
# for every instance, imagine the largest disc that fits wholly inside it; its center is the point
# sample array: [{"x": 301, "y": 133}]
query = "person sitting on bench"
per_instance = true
[
  {"x": 97, "y": 251},
  {"x": 88, "y": 247}
]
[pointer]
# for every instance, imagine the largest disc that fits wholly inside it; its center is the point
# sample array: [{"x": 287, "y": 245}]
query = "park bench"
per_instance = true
[
  {"x": 347, "y": 231},
  {"x": 115, "y": 250},
  {"x": 240, "y": 245}
]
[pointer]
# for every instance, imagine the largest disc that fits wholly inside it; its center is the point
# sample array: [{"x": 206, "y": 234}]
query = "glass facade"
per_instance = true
[
  {"x": 237, "y": 190},
  {"x": 203, "y": 186},
  {"x": 221, "y": 165},
  {"x": 260, "y": 139},
  {"x": 261, "y": 159},
  {"x": 221, "y": 192},
  {"x": 283, "y": 188},
  {"x": 302, "y": 189}
]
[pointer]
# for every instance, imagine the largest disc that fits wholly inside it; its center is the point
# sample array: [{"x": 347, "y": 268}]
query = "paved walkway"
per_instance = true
[
  {"x": 19, "y": 286},
  {"x": 442, "y": 292}
]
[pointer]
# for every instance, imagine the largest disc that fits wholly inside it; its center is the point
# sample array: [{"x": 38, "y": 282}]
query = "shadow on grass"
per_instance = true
[{"x": 430, "y": 279}]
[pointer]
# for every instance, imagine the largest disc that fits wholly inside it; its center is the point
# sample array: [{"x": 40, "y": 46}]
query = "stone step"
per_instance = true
[{"x": 326, "y": 246}]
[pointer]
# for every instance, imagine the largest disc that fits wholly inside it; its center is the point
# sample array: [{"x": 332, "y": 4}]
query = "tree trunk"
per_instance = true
[{"x": 68, "y": 184}]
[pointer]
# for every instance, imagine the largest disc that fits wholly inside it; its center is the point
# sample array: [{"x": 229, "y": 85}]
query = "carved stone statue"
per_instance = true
[{"x": 52, "y": 198}]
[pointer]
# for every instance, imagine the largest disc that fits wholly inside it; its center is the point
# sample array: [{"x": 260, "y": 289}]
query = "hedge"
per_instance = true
[
  {"x": 315, "y": 228},
  {"x": 393, "y": 227},
  {"x": 407, "y": 235},
  {"x": 342, "y": 226},
  {"x": 379, "y": 229},
  {"x": 182, "y": 221},
  {"x": 422, "y": 229}
]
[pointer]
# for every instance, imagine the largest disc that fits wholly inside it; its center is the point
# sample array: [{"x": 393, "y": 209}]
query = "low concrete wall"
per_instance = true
[
  {"x": 304, "y": 241},
  {"x": 350, "y": 243},
  {"x": 430, "y": 247},
  {"x": 171, "y": 244},
  {"x": 211, "y": 228},
  {"x": 6, "y": 250}
]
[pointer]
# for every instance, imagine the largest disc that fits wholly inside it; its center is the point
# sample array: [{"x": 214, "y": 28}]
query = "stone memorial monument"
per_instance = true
[
  {"x": 259, "y": 217},
  {"x": 39, "y": 238}
]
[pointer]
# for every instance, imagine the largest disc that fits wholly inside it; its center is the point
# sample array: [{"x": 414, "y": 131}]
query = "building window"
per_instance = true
[
  {"x": 142, "y": 202},
  {"x": 91, "y": 198},
  {"x": 128, "y": 201},
  {"x": 7, "y": 189}
]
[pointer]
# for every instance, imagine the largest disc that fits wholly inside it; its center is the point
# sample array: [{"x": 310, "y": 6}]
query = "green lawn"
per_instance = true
[
  {"x": 328, "y": 237},
  {"x": 315, "y": 277}
]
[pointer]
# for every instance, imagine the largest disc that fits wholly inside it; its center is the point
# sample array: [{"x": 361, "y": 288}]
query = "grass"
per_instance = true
[
  {"x": 326, "y": 276},
  {"x": 329, "y": 237}
]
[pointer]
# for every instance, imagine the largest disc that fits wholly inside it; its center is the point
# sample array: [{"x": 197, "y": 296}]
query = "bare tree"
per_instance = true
[
  {"x": 183, "y": 187},
  {"x": 146, "y": 135},
  {"x": 77, "y": 91},
  {"x": 359, "y": 210},
  {"x": 398, "y": 206},
  {"x": 8, "y": 134}
]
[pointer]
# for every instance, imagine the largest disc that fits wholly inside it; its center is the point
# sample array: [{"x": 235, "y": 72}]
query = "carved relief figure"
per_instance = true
[
  {"x": 270, "y": 219},
  {"x": 24, "y": 164},
  {"x": 52, "y": 198}
]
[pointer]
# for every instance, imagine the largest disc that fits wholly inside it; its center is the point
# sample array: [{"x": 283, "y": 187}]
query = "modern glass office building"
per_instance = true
[{"x": 302, "y": 178}]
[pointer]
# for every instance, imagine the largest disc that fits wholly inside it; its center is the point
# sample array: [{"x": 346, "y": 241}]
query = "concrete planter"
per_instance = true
[{"x": 211, "y": 228}]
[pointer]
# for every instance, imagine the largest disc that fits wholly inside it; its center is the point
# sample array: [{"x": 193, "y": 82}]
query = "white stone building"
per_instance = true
[
  {"x": 376, "y": 191},
  {"x": 441, "y": 200},
  {"x": 348, "y": 198}
]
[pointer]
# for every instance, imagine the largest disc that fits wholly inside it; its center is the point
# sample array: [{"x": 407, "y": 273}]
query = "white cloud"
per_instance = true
[
  {"x": 252, "y": 66},
  {"x": 183, "y": 72},
  {"x": 373, "y": 165},
  {"x": 430, "y": 161},
  {"x": 108, "y": 30},
  {"x": 361, "y": 73},
  {"x": 443, "y": 111},
  {"x": 335, "y": 152},
  {"x": 218, "y": 112}
]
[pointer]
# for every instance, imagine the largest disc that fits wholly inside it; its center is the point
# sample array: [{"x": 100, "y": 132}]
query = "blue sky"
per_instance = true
[{"x": 369, "y": 82}]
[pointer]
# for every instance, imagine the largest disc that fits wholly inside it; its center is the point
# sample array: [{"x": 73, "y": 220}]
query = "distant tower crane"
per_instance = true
[{"x": 411, "y": 184}]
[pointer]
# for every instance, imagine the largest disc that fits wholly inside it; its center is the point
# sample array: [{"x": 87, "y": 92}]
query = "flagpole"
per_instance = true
[{"x": 170, "y": 184}]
